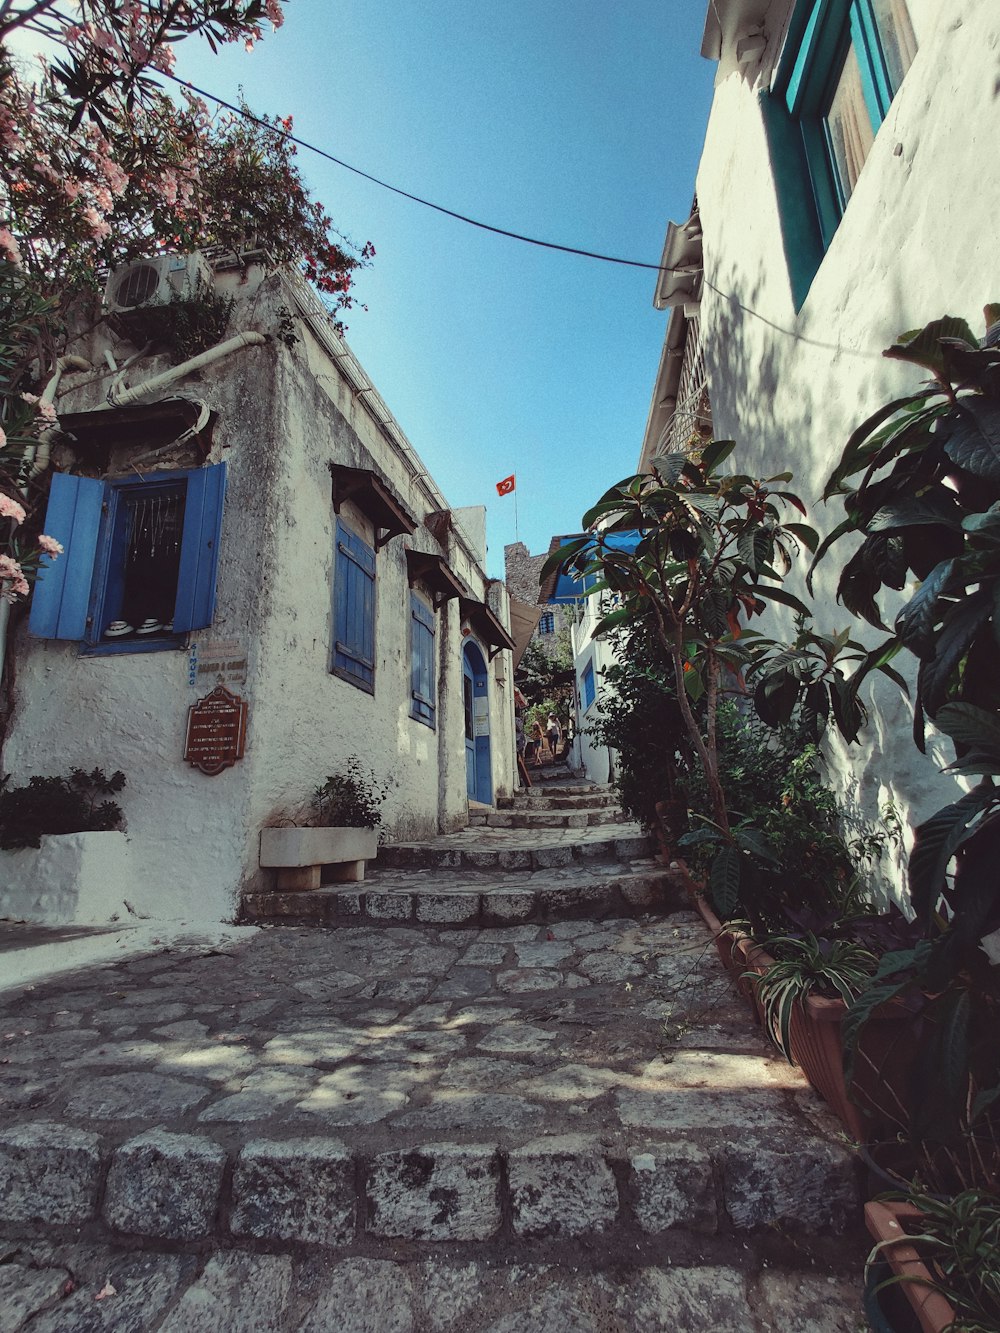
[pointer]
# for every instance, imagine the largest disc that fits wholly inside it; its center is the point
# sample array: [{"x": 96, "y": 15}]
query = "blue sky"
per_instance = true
[{"x": 579, "y": 123}]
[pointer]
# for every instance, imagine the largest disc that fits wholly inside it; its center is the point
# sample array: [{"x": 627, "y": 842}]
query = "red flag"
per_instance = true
[{"x": 506, "y": 486}]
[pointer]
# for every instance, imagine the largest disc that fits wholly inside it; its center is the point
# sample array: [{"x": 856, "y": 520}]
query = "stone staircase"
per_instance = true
[
  {"x": 549, "y": 852},
  {"x": 512, "y": 1091}
]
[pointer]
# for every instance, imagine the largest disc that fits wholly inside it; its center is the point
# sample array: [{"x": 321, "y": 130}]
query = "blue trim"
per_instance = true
[
  {"x": 821, "y": 33},
  {"x": 81, "y": 591},
  {"x": 200, "y": 540},
  {"x": 422, "y": 628},
  {"x": 588, "y": 685},
  {"x": 353, "y": 656}
]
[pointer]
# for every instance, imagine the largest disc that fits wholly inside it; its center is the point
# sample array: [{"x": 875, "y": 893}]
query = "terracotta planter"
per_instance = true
[
  {"x": 888, "y": 1222},
  {"x": 732, "y": 947}
]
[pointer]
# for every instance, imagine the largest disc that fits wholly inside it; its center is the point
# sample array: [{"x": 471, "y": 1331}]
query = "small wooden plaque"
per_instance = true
[{"x": 216, "y": 731}]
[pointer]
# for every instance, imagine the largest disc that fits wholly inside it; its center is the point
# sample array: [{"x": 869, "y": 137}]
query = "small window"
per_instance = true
[
  {"x": 588, "y": 686},
  {"x": 842, "y": 66},
  {"x": 354, "y": 610},
  {"x": 422, "y": 627},
  {"x": 547, "y": 623},
  {"x": 140, "y": 560}
]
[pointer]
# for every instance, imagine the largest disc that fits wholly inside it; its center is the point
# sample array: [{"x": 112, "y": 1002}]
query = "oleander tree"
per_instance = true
[{"x": 98, "y": 166}]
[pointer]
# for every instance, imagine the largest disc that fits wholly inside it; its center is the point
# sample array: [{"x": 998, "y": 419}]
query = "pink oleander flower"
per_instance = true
[
  {"x": 9, "y": 568},
  {"x": 49, "y": 545},
  {"x": 9, "y": 508},
  {"x": 30, "y": 398},
  {"x": 47, "y": 412},
  {"x": 274, "y": 13},
  {"x": 9, "y": 247},
  {"x": 3, "y": 438}
]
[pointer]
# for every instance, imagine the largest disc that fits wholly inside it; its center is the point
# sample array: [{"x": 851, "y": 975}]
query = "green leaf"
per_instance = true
[
  {"x": 961, "y": 623},
  {"x": 922, "y": 347},
  {"x": 754, "y": 842},
  {"x": 620, "y": 617},
  {"x": 932, "y": 507},
  {"x": 724, "y": 880},
  {"x": 969, "y": 724},
  {"x": 845, "y": 526},
  {"x": 857, "y": 451},
  {"x": 802, "y": 532},
  {"x": 769, "y": 594},
  {"x": 669, "y": 467},
  {"x": 975, "y": 442},
  {"x": 715, "y": 453},
  {"x": 915, "y": 623},
  {"x": 934, "y": 844}
]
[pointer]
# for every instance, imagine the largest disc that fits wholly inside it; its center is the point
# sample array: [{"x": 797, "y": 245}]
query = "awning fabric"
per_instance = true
[
  {"x": 563, "y": 588},
  {"x": 524, "y": 620}
]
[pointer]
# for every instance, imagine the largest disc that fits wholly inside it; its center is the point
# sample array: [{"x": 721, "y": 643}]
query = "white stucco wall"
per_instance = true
[
  {"x": 595, "y": 758},
  {"x": 283, "y": 416},
  {"x": 918, "y": 240}
]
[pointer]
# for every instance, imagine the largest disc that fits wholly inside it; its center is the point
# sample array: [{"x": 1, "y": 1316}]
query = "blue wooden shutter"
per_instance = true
[
  {"x": 422, "y": 700},
  {"x": 195, "y": 605},
  {"x": 354, "y": 610},
  {"x": 61, "y": 598}
]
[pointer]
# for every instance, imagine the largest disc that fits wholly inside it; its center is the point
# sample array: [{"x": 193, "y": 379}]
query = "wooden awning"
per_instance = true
[
  {"x": 154, "y": 426},
  {"x": 376, "y": 501},
  {"x": 486, "y": 625},
  {"x": 434, "y": 572}
]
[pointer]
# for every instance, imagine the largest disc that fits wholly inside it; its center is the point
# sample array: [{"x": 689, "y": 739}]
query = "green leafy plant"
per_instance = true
[
  {"x": 77, "y": 804},
  {"x": 711, "y": 550},
  {"x": 349, "y": 800},
  {"x": 959, "y": 1241},
  {"x": 184, "y": 327},
  {"x": 641, "y": 722},
  {"x": 804, "y": 965}
]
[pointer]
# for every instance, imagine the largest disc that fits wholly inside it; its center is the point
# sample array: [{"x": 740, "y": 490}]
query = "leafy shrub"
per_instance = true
[
  {"x": 349, "y": 800},
  {"x": 59, "y": 805}
]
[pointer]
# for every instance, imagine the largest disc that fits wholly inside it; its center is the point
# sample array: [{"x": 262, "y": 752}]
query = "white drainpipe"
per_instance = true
[{"x": 126, "y": 397}]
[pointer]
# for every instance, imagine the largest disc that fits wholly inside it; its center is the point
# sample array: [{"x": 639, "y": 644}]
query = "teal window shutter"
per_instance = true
[
  {"x": 61, "y": 599},
  {"x": 422, "y": 627},
  {"x": 589, "y": 688},
  {"x": 354, "y": 610},
  {"x": 199, "y": 563}
]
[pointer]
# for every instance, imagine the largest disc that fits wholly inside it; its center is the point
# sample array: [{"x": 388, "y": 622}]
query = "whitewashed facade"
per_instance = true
[
  {"x": 315, "y": 467},
  {"x": 796, "y": 304}
]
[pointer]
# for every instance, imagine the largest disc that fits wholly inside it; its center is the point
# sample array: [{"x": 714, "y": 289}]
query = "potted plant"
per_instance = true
[
  {"x": 941, "y": 1255},
  {"x": 63, "y": 856},
  {"x": 335, "y": 834}
]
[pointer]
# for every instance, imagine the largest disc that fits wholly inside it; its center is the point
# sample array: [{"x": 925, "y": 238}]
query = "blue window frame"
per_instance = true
[
  {"x": 842, "y": 65},
  {"x": 422, "y": 692},
  {"x": 354, "y": 610},
  {"x": 140, "y": 560},
  {"x": 588, "y": 685}
]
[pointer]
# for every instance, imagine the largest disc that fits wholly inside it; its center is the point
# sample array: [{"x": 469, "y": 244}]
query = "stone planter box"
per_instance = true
[
  {"x": 71, "y": 879},
  {"x": 299, "y": 854}
]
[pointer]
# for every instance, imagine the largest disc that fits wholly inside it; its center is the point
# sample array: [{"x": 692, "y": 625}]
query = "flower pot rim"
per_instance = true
[{"x": 883, "y": 1219}]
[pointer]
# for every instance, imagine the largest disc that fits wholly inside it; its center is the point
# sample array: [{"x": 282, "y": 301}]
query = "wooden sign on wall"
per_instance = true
[{"x": 216, "y": 731}]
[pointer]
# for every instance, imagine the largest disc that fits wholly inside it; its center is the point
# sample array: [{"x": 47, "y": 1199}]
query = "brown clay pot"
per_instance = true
[{"x": 887, "y": 1221}]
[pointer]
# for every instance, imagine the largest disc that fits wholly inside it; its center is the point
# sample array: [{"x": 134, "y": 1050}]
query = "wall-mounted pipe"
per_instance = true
[{"x": 126, "y": 397}]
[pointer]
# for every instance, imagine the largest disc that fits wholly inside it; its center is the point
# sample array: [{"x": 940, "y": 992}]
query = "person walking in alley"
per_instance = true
[{"x": 553, "y": 732}]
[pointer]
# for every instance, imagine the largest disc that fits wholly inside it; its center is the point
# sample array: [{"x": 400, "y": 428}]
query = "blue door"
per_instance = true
[{"x": 478, "y": 768}]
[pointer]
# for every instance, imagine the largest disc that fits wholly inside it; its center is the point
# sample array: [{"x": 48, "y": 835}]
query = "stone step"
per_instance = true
[
  {"x": 586, "y": 1095},
  {"x": 594, "y": 799},
  {"x": 529, "y": 818},
  {"x": 475, "y": 899},
  {"x": 516, "y": 849},
  {"x": 244, "y": 1289}
]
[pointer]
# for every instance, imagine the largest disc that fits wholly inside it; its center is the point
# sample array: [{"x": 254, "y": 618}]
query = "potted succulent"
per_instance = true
[{"x": 333, "y": 836}]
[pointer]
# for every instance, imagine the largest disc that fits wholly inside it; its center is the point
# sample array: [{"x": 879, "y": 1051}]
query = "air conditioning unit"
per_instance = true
[{"x": 149, "y": 282}]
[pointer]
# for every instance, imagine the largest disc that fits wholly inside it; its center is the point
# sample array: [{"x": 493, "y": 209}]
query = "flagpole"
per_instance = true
[{"x": 515, "y": 511}]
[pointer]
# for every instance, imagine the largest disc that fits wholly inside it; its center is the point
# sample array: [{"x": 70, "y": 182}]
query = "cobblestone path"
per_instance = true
[{"x": 551, "y": 1126}]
